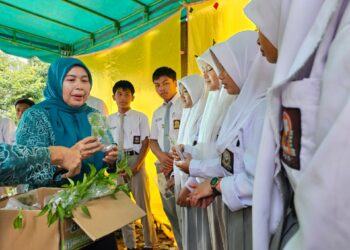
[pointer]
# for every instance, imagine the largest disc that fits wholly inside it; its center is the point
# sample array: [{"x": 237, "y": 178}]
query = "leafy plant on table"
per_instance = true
[{"x": 75, "y": 195}]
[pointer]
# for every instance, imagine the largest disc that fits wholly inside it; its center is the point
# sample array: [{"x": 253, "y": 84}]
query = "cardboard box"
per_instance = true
[{"x": 107, "y": 215}]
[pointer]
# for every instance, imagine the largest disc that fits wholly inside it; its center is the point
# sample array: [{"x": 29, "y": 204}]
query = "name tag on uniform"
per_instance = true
[
  {"x": 176, "y": 124},
  {"x": 137, "y": 139},
  {"x": 291, "y": 137},
  {"x": 227, "y": 160}
]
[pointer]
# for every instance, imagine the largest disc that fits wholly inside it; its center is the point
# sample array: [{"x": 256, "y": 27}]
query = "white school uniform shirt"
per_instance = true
[
  {"x": 7, "y": 131},
  {"x": 237, "y": 189},
  {"x": 136, "y": 129},
  {"x": 157, "y": 128}
]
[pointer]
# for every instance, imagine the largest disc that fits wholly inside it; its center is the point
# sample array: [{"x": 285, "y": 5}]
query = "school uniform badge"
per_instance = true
[
  {"x": 227, "y": 160},
  {"x": 176, "y": 124},
  {"x": 137, "y": 139},
  {"x": 291, "y": 137}
]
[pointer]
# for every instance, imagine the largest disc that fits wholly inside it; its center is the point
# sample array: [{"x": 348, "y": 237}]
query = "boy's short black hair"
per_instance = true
[
  {"x": 164, "y": 71},
  {"x": 124, "y": 85},
  {"x": 26, "y": 101}
]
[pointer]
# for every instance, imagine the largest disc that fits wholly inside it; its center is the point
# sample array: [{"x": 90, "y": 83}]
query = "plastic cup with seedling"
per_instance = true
[{"x": 99, "y": 129}]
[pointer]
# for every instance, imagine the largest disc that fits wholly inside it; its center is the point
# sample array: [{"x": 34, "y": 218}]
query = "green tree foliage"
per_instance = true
[{"x": 20, "y": 79}]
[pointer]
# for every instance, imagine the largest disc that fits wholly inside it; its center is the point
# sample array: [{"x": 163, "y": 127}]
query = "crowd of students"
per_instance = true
[
  {"x": 253, "y": 152},
  {"x": 269, "y": 164}
]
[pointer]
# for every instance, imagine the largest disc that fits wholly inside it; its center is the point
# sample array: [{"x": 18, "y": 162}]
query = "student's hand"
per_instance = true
[
  {"x": 111, "y": 155},
  {"x": 166, "y": 160},
  {"x": 174, "y": 153},
  {"x": 184, "y": 165},
  {"x": 184, "y": 198},
  {"x": 88, "y": 146},
  {"x": 204, "y": 202},
  {"x": 66, "y": 158},
  {"x": 200, "y": 192}
]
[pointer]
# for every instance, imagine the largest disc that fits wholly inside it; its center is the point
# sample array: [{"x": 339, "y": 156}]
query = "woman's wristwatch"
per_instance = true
[{"x": 214, "y": 182}]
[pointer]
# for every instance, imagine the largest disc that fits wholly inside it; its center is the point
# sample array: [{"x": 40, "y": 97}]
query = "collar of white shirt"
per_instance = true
[
  {"x": 173, "y": 100},
  {"x": 126, "y": 113}
]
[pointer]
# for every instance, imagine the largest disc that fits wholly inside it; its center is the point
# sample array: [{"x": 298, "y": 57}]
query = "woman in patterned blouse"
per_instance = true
[{"x": 62, "y": 119}]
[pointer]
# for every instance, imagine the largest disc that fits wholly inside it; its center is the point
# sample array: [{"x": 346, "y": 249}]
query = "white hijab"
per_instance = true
[
  {"x": 270, "y": 17},
  {"x": 207, "y": 129},
  {"x": 251, "y": 73},
  {"x": 194, "y": 84},
  {"x": 217, "y": 103}
]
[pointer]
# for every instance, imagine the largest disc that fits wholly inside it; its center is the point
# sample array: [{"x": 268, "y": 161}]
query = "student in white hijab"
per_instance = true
[
  {"x": 294, "y": 97},
  {"x": 193, "y": 93},
  {"x": 237, "y": 55},
  {"x": 207, "y": 126},
  {"x": 320, "y": 201}
]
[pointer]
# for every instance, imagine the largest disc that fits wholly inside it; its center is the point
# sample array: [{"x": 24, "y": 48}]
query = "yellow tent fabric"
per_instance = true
[
  {"x": 135, "y": 61},
  {"x": 213, "y": 21}
]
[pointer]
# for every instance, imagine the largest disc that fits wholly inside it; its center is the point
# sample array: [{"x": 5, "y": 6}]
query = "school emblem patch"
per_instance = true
[
  {"x": 137, "y": 139},
  {"x": 176, "y": 124},
  {"x": 291, "y": 137},
  {"x": 227, "y": 160}
]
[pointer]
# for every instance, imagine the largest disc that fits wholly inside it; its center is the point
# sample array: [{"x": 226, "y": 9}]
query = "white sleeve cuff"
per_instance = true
[
  {"x": 206, "y": 168},
  {"x": 229, "y": 196}
]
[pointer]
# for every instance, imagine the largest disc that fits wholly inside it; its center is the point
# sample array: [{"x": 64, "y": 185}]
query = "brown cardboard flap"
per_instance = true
[{"x": 107, "y": 215}]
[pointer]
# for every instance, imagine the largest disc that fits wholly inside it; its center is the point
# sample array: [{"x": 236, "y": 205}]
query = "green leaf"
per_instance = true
[
  {"x": 71, "y": 182},
  {"x": 85, "y": 178},
  {"x": 124, "y": 188},
  {"x": 112, "y": 176},
  {"x": 63, "y": 244},
  {"x": 52, "y": 218},
  {"x": 129, "y": 172},
  {"x": 18, "y": 222},
  {"x": 85, "y": 211},
  {"x": 61, "y": 212},
  {"x": 43, "y": 211},
  {"x": 92, "y": 170}
]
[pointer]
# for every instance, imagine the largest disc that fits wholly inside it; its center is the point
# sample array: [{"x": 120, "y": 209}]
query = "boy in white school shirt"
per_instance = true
[
  {"x": 130, "y": 129},
  {"x": 165, "y": 124}
]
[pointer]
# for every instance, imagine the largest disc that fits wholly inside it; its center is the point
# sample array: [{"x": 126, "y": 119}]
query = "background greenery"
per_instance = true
[{"x": 20, "y": 78}]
